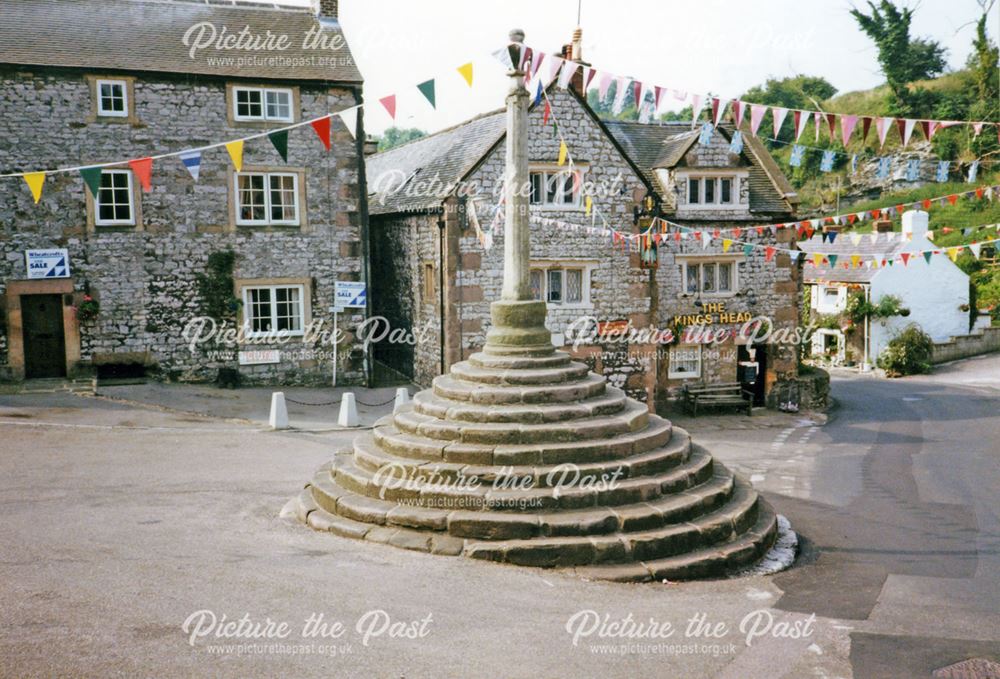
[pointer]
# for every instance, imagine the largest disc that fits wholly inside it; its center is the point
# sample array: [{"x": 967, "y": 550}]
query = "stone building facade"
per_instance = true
[
  {"x": 434, "y": 198},
  {"x": 144, "y": 93}
]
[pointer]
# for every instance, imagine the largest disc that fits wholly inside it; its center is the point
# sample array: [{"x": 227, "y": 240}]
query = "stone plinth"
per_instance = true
[{"x": 483, "y": 464}]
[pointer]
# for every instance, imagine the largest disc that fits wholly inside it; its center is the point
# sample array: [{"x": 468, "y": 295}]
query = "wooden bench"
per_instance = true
[{"x": 720, "y": 394}]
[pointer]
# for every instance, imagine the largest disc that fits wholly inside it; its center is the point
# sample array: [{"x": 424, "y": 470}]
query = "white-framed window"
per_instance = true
[
  {"x": 267, "y": 198},
  {"x": 828, "y": 299},
  {"x": 556, "y": 187},
  {"x": 713, "y": 190},
  {"x": 685, "y": 362},
  {"x": 273, "y": 310},
  {"x": 710, "y": 277},
  {"x": 262, "y": 103},
  {"x": 114, "y": 205},
  {"x": 112, "y": 98},
  {"x": 563, "y": 284}
]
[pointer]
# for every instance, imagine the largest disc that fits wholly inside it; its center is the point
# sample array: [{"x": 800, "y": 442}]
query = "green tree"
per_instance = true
[
  {"x": 394, "y": 136},
  {"x": 903, "y": 59}
]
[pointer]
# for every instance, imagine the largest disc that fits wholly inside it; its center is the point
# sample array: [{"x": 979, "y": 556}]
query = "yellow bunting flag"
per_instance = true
[
  {"x": 563, "y": 151},
  {"x": 726, "y": 244},
  {"x": 235, "y": 149},
  {"x": 465, "y": 70},
  {"x": 952, "y": 252},
  {"x": 817, "y": 259},
  {"x": 588, "y": 204},
  {"x": 34, "y": 181},
  {"x": 855, "y": 261}
]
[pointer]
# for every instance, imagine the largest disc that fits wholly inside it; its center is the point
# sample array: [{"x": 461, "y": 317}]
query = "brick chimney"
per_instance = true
[
  {"x": 370, "y": 146},
  {"x": 883, "y": 225}
]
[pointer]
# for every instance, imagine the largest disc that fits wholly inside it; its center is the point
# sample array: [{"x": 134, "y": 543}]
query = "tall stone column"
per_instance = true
[{"x": 518, "y": 320}]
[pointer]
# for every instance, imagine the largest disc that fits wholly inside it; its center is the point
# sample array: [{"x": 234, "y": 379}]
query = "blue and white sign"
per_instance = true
[
  {"x": 350, "y": 294},
  {"x": 52, "y": 263}
]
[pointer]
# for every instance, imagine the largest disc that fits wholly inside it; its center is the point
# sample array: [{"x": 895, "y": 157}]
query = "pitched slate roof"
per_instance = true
[
  {"x": 418, "y": 175},
  {"x": 148, "y": 35},
  {"x": 664, "y": 144},
  {"x": 844, "y": 248}
]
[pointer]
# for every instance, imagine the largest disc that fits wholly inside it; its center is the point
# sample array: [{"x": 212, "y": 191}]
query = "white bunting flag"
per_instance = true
[
  {"x": 882, "y": 127},
  {"x": 908, "y": 125},
  {"x": 801, "y": 120},
  {"x": 621, "y": 91},
  {"x": 778, "y": 113},
  {"x": 566, "y": 75},
  {"x": 349, "y": 116},
  {"x": 976, "y": 248},
  {"x": 706, "y": 238}
]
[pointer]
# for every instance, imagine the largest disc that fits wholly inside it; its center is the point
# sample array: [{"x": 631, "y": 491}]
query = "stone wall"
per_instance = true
[
  {"x": 984, "y": 341},
  {"x": 145, "y": 279}
]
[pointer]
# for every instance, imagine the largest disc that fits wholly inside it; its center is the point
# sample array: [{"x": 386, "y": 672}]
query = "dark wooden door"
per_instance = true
[{"x": 44, "y": 343}]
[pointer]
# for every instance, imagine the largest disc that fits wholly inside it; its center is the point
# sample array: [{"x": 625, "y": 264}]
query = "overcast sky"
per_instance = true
[{"x": 699, "y": 46}]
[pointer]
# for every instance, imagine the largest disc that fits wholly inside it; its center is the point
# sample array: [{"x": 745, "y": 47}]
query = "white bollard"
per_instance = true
[
  {"x": 348, "y": 411},
  {"x": 279, "y": 413},
  {"x": 402, "y": 398}
]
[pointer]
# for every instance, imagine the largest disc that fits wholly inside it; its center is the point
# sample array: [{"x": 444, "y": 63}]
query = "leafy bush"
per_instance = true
[{"x": 908, "y": 353}]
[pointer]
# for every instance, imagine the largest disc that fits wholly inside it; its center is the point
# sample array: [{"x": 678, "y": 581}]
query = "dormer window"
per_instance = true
[{"x": 717, "y": 190}]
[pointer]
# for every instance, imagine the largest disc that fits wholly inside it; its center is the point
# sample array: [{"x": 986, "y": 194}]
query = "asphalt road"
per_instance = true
[{"x": 121, "y": 524}]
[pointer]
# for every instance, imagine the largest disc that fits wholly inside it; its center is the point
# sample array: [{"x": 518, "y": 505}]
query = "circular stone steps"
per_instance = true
[{"x": 521, "y": 456}]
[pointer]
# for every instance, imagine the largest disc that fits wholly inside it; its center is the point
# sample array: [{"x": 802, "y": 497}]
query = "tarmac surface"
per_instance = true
[{"x": 128, "y": 528}]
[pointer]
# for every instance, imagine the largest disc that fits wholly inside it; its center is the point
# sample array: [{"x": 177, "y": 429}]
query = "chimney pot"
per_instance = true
[
  {"x": 883, "y": 225},
  {"x": 370, "y": 146}
]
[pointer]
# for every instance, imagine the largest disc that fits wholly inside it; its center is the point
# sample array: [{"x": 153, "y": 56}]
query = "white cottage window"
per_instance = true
[
  {"x": 262, "y": 103},
  {"x": 112, "y": 98},
  {"x": 273, "y": 309}
]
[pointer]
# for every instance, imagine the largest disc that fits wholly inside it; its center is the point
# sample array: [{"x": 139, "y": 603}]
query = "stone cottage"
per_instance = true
[
  {"x": 99, "y": 81},
  {"x": 432, "y": 199}
]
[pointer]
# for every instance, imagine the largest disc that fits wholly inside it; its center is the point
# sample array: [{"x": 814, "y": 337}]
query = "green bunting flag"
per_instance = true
[
  {"x": 747, "y": 249},
  {"x": 92, "y": 178},
  {"x": 427, "y": 89},
  {"x": 927, "y": 256},
  {"x": 833, "y": 260},
  {"x": 280, "y": 140}
]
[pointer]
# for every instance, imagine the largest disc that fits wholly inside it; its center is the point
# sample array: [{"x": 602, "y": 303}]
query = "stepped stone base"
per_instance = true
[{"x": 520, "y": 455}]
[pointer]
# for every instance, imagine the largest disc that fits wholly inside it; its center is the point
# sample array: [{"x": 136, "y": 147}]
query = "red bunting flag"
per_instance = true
[
  {"x": 322, "y": 128},
  {"x": 768, "y": 253},
  {"x": 953, "y": 198},
  {"x": 905, "y": 256},
  {"x": 637, "y": 92},
  {"x": 547, "y": 112},
  {"x": 866, "y": 125},
  {"x": 390, "y": 105},
  {"x": 831, "y": 121},
  {"x": 926, "y": 203},
  {"x": 143, "y": 169}
]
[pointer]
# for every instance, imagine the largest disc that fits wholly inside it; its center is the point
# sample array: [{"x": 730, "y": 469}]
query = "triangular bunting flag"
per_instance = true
[
  {"x": 882, "y": 127},
  {"x": 768, "y": 253},
  {"x": 322, "y": 126},
  {"x": 757, "y": 112},
  {"x": 778, "y": 118},
  {"x": 143, "y": 169},
  {"x": 747, "y": 249},
  {"x": 726, "y": 244},
  {"x": 427, "y": 89},
  {"x": 34, "y": 180},
  {"x": 738, "y": 110},
  {"x": 279, "y": 139},
  {"x": 975, "y": 248},
  {"x": 905, "y": 256},
  {"x": 927, "y": 256},
  {"x": 866, "y": 125},
  {"x": 847, "y": 124},
  {"x": 954, "y": 252},
  {"x": 465, "y": 70},
  {"x": 389, "y": 103},
  {"x": 800, "y": 120},
  {"x": 567, "y": 72},
  {"x": 833, "y": 260},
  {"x": 563, "y": 152},
  {"x": 235, "y": 149},
  {"x": 191, "y": 161},
  {"x": 855, "y": 261},
  {"x": 92, "y": 178}
]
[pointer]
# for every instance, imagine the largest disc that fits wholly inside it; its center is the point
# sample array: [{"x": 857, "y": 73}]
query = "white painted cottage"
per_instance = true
[{"x": 935, "y": 292}]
